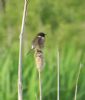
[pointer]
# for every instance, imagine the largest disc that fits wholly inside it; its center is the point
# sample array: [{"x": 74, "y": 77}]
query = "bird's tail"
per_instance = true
[{"x": 29, "y": 51}]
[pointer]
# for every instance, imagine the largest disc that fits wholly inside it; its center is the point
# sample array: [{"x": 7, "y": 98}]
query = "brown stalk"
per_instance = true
[{"x": 39, "y": 64}]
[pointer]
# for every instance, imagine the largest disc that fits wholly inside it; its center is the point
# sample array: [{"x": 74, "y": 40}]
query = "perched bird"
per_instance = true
[{"x": 38, "y": 42}]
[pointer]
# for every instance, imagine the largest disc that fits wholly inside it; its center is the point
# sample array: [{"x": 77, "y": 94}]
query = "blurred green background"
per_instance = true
[{"x": 64, "y": 23}]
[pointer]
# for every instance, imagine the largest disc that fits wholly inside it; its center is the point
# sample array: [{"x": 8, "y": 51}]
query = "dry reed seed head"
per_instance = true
[{"x": 39, "y": 60}]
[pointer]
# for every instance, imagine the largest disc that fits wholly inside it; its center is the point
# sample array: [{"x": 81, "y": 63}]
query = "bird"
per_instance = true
[{"x": 38, "y": 42}]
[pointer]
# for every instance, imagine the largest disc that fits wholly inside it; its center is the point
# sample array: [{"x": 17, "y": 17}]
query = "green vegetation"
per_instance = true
[{"x": 64, "y": 23}]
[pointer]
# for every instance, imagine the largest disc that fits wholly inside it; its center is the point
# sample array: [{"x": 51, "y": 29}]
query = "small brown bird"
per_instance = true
[{"x": 38, "y": 42}]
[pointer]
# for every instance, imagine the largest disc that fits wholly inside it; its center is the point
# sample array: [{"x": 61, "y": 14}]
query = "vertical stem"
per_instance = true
[
  {"x": 58, "y": 65},
  {"x": 77, "y": 83},
  {"x": 40, "y": 85},
  {"x": 20, "y": 54}
]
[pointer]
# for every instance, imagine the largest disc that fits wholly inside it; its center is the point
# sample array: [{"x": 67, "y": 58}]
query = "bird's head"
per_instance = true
[{"x": 41, "y": 34}]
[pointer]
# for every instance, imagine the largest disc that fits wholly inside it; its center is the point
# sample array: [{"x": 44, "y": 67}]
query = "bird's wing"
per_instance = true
[{"x": 34, "y": 42}]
